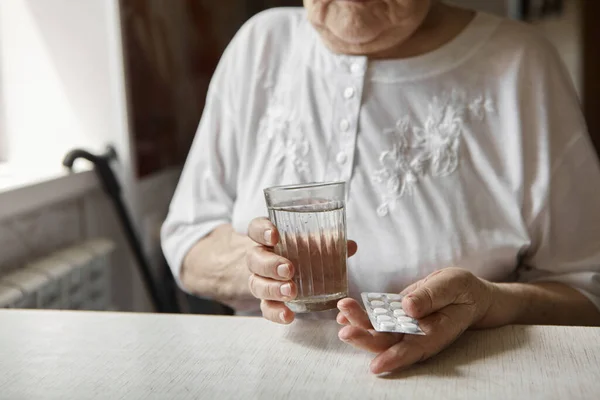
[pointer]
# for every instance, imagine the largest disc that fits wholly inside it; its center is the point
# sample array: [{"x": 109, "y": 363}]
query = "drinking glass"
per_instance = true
[{"x": 311, "y": 220}]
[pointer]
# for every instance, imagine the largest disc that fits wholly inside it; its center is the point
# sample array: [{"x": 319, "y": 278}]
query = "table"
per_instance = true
[{"x": 95, "y": 355}]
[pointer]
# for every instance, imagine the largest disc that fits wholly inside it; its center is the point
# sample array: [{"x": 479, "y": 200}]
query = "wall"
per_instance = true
[
  {"x": 499, "y": 7},
  {"x": 62, "y": 85},
  {"x": 61, "y": 62},
  {"x": 565, "y": 32}
]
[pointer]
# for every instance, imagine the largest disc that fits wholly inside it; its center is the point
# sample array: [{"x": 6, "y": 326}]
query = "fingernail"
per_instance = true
[
  {"x": 268, "y": 236},
  {"x": 286, "y": 290},
  {"x": 343, "y": 336},
  {"x": 375, "y": 369},
  {"x": 284, "y": 271},
  {"x": 342, "y": 303},
  {"x": 282, "y": 316}
]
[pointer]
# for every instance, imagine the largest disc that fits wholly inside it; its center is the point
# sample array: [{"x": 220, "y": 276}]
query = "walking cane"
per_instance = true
[{"x": 162, "y": 296}]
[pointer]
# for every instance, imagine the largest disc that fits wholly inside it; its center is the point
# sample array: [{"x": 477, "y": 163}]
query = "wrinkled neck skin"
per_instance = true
[{"x": 416, "y": 29}]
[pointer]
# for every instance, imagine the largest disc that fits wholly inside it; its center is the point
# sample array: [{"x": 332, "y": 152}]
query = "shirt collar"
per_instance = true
[{"x": 319, "y": 58}]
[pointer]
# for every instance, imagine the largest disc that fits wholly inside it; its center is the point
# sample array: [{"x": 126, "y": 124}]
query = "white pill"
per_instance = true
[
  {"x": 399, "y": 313},
  {"x": 371, "y": 296},
  {"x": 382, "y": 318},
  {"x": 409, "y": 326},
  {"x": 377, "y": 303},
  {"x": 395, "y": 305},
  {"x": 394, "y": 297},
  {"x": 404, "y": 319},
  {"x": 379, "y": 311},
  {"x": 387, "y": 326}
]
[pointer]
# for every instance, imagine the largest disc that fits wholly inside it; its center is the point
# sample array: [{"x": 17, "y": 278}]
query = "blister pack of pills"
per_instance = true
[{"x": 386, "y": 314}]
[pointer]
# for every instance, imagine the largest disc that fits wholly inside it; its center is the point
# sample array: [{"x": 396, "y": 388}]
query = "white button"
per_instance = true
[
  {"x": 344, "y": 125},
  {"x": 341, "y": 158},
  {"x": 349, "y": 92},
  {"x": 356, "y": 68}
]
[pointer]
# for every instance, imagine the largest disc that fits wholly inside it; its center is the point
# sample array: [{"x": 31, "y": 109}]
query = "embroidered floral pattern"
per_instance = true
[
  {"x": 281, "y": 130},
  {"x": 428, "y": 150}
]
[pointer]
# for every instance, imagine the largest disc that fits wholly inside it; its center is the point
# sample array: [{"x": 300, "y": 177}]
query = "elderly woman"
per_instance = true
[{"x": 473, "y": 186}]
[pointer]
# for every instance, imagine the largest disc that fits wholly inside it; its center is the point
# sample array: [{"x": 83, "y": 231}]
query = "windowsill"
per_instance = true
[{"x": 25, "y": 190}]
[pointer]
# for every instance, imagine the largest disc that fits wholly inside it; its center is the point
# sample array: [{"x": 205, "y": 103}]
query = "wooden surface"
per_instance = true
[{"x": 83, "y": 355}]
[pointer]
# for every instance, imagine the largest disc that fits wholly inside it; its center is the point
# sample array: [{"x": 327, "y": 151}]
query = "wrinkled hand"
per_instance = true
[
  {"x": 446, "y": 303},
  {"x": 271, "y": 279}
]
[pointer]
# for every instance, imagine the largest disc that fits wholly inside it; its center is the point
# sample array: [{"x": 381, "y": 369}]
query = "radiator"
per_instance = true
[{"x": 76, "y": 278}]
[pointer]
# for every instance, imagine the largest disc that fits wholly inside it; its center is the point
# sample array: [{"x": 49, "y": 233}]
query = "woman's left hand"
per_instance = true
[{"x": 446, "y": 303}]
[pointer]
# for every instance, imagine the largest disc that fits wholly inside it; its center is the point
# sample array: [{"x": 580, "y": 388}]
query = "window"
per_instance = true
[{"x": 61, "y": 77}]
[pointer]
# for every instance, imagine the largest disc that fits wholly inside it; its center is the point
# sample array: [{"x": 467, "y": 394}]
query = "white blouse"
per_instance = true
[{"x": 475, "y": 155}]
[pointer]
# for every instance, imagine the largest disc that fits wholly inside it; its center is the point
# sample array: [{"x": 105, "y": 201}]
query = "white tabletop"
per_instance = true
[{"x": 85, "y": 355}]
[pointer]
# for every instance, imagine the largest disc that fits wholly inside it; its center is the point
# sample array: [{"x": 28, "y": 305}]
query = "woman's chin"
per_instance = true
[
  {"x": 356, "y": 37},
  {"x": 349, "y": 46}
]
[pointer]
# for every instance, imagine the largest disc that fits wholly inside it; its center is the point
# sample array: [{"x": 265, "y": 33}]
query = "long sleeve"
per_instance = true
[
  {"x": 206, "y": 191},
  {"x": 221, "y": 161},
  {"x": 562, "y": 198},
  {"x": 566, "y": 231}
]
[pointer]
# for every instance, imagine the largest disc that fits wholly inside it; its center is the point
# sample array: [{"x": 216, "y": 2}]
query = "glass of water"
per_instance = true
[{"x": 311, "y": 220}]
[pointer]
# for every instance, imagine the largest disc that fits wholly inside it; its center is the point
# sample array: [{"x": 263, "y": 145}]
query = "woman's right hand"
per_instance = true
[
  {"x": 271, "y": 279},
  {"x": 271, "y": 275}
]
